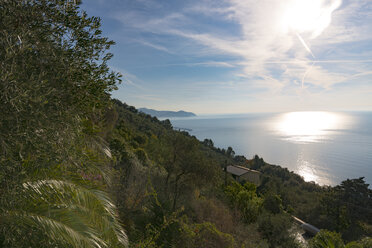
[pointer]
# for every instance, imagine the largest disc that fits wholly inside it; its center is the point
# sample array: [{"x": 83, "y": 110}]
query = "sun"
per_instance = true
[{"x": 312, "y": 16}]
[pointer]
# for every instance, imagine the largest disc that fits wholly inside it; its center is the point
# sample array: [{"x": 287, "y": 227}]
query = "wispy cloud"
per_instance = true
[
  {"x": 191, "y": 64},
  {"x": 155, "y": 46},
  {"x": 129, "y": 78},
  {"x": 285, "y": 47},
  {"x": 261, "y": 38}
]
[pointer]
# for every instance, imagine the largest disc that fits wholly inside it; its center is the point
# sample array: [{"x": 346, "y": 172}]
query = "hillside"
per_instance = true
[
  {"x": 168, "y": 114},
  {"x": 172, "y": 186},
  {"x": 80, "y": 169}
]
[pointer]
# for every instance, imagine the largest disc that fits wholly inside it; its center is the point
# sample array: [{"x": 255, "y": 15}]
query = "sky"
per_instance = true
[{"x": 231, "y": 56}]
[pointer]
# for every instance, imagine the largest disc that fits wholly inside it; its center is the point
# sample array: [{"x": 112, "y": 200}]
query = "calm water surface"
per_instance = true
[{"x": 325, "y": 147}]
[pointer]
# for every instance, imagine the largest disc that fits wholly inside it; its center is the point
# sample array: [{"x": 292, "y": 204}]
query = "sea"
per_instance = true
[{"x": 324, "y": 147}]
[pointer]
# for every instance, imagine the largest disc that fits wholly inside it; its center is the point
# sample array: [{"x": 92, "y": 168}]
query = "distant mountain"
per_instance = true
[{"x": 162, "y": 114}]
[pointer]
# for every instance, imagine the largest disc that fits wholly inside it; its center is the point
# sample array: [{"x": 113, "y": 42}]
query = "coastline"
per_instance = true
[{"x": 327, "y": 161}]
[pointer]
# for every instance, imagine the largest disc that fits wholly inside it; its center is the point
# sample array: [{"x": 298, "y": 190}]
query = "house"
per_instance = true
[{"x": 244, "y": 174}]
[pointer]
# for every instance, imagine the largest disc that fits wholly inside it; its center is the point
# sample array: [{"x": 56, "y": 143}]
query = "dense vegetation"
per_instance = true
[
  {"x": 77, "y": 167},
  {"x": 170, "y": 186},
  {"x": 54, "y": 86}
]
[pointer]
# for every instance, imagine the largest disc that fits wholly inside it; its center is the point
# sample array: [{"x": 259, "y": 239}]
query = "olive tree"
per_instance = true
[{"x": 55, "y": 85}]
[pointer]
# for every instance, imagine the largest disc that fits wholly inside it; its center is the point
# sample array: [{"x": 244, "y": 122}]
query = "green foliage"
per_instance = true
[
  {"x": 276, "y": 229},
  {"x": 204, "y": 235},
  {"x": 343, "y": 208},
  {"x": 363, "y": 243},
  {"x": 55, "y": 165},
  {"x": 257, "y": 162},
  {"x": 177, "y": 201},
  {"x": 183, "y": 162},
  {"x": 55, "y": 85},
  {"x": 208, "y": 143},
  {"x": 353, "y": 245},
  {"x": 141, "y": 155},
  {"x": 326, "y": 239},
  {"x": 181, "y": 170},
  {"x": 215, "y": 211},
  {"x": 66, "y": 213},
  {"x": 366, "y": 242},
  {"x": 347, "y": 207},
  {"x": 245, "y": 199},
  {"x": 230, "y": 152},
  {"x": 273, "y": 204},
  {"x": 54, "y": 76}
]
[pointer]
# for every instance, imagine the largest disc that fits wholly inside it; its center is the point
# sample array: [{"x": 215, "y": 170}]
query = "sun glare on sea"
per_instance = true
[
  {"x": 312, "y": 172},
  {"x": 307, "y": 172},
  {"x": 305, "y": 127}
]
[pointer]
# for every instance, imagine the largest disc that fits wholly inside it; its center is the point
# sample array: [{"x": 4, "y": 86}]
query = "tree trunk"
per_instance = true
[
  {"x": 166, "y": 184},
  {"x": 178, "y": 177}
]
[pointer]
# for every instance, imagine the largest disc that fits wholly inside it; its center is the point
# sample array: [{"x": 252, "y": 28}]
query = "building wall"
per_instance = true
[{"x": 251, "y": 176}]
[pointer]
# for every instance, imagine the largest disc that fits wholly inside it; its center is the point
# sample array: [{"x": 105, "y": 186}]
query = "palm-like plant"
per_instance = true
[
  {"x": 66, "y": 213},
  {"x": 327, "y": 239},
  {"x": 54, "y": 87}
]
